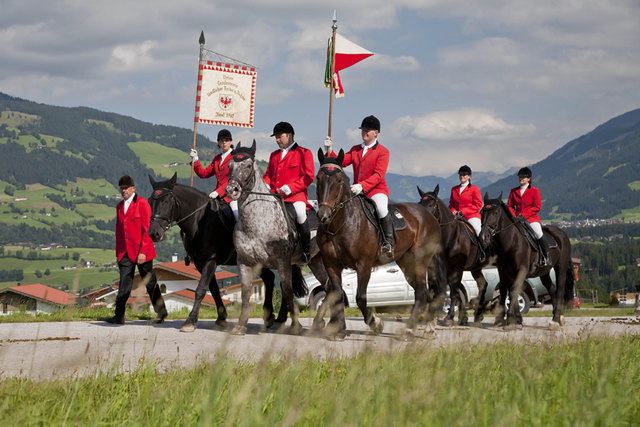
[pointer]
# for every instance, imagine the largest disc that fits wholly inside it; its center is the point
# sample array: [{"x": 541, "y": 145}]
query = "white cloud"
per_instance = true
[{"x": 464, "y": 124}]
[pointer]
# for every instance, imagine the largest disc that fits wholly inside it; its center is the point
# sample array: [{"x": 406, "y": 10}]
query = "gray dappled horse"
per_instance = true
[{"x": 262, "y": 237}]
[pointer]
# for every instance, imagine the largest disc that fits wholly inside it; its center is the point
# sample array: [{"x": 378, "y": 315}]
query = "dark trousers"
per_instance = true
[{"x": 127, "y": 271}]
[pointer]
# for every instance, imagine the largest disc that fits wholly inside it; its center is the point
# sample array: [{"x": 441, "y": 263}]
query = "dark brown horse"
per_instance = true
[
  {"x": 460, "y": 253},
  {"x": 347, "y": 238},
  {"x": 208, "y": 241},
  {"x": 517, "y": 260}
]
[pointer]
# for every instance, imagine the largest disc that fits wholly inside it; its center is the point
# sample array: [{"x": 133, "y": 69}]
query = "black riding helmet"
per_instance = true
[
  {"x": 224, "y": 134},
  {"x": 464, "y": 170},
  {"x": 282, "y": 127},
  {"x": 525, "y": 172}
]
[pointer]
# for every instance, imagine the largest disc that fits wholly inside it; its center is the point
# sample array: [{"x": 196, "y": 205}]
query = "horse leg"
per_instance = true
[
  {"x": 454, "y": 297},
  {"x": 375, "y": 324},
  {"x": 501, "y": 308},
  {"x": 268, "y": 278},
  {"x": 246, "y": 274},
  {"x": 481, "y": 305},
  {"x": 221, "y": 321},
  {"x": 207, "y": 280},
  {"x": 556, "y": 303},
  {"x": 337, "y": 327},
  {"x": 437, "y": 280},
  {"x": 287, "y": 296},
  {"x": 417, "y": 278},
  {"x": 514, "y": 317}
]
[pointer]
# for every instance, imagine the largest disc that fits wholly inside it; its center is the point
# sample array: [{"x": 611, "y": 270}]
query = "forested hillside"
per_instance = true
[{"x": 594, "y": 176}]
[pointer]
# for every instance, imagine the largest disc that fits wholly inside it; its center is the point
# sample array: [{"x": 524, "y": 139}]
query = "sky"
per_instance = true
[{"x": 495, "y": 84}]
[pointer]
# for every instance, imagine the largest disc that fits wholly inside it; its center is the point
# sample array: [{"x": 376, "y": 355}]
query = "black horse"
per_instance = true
[
  {"x": 517, "y": 260},
  {"x": 207, "y": 237},
  {"x": 460, "y": 252}
]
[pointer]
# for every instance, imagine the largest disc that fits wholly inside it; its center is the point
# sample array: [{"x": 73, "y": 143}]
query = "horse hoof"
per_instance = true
[
  {"x": 499, "y": 321},
  {"x": 463, "y": 322},
  {"x": 295, "y": 329},
  {"x": 447, "y": 322},
  {"x": 377, "y": 327},
  {"x": 478, "y": 319},
  {"x": 563, "y": 320},
  {"x": 239, "y": 330},
  {"x": 429, "y": 334},
  {"x": 188, "y": 327},
  {"x": 222, "y": 323},
  {"x": 554, "y": 326},
  {"x": 269, "y": 321}
]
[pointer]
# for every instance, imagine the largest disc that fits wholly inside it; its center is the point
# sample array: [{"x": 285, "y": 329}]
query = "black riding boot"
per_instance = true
[
  {"x": 545, "y": 251},
  {"x": 305, "y": 240},
  {"x": 387, "y": 229}
]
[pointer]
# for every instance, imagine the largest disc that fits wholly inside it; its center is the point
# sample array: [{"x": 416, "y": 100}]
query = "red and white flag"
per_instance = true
[{"x": 347, "y": 54}]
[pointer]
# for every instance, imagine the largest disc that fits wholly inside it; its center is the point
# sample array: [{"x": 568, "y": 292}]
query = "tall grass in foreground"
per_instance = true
[{"x": 593, "y": 382}]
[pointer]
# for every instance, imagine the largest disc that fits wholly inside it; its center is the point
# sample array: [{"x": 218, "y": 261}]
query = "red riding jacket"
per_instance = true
[
  {"x": 469, "y": 202},
  {"x": 528, "y": 204},
  {"x": 296, "y": 170},
  {"x": 131, "y": 230},
  {"x": 368, "y": 171},
  {"x": 217, "y": 168}
]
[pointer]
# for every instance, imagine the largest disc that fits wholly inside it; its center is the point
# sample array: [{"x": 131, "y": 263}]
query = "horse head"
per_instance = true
[
  {"x": 163, "y": 205},
  {"x": 241, "y": 171},
  {"x": 430, "y": 200},
  {"x": 332, "y": 185},
  {"x": 491, "y": 214}
]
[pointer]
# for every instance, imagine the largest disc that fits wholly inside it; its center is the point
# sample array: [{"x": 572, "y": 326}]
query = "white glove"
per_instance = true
[
  {"x": 285, "y": 189},
  {"x": 194, "y": 155},
  {"x": 328, "y": 142},
  {"x": 356, "y": 188},
  {"x": 213, "y": 195}
]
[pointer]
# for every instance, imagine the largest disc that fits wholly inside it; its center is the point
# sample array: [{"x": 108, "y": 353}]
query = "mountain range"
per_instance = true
[{"x": 593, "y": 176}]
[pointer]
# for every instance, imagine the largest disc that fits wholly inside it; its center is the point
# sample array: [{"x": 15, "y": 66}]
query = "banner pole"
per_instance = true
[
  {"x": 334, "y": 27},
  {"x": 195, "y": 120}
]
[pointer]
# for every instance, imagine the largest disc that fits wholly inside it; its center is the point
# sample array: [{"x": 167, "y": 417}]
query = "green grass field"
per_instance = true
[
  {"x": 158, "y": 157},
  {"x": 590, "y": 383}
]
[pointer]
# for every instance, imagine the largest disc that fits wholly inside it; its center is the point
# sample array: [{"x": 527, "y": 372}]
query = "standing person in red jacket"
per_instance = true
[
  {"x": 134, "y": 247},
  {"x": 290, "y": 172},
  {"x": 219, "y": 168},
  {"x": 525, "y": 200},
  {"x": 466, "y": 199},
  {"x": 370, "y": 161}
]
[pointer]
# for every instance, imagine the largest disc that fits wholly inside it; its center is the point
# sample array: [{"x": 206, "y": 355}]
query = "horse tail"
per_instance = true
[
  {"x": 569, "y": 286},
  {"x": 298, "y": 283}
]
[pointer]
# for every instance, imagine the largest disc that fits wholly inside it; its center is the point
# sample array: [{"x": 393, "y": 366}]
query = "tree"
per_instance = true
[
  {"x": 9, "y": 190},
  {"x": 47, "y": 272},
  {"x": 38, "y": 273}
]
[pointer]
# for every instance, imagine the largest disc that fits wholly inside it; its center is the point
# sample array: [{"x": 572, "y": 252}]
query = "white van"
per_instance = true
[{"x": 388, "y": 287}]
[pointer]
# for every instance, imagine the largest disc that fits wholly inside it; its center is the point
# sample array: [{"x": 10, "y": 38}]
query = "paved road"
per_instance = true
[{"x": 62, "y": 349}]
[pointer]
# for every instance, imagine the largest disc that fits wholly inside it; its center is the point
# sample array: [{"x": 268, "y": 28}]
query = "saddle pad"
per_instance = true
[
  {"x": 531, "y": 237},
  {"x": 369, "y": 207}
]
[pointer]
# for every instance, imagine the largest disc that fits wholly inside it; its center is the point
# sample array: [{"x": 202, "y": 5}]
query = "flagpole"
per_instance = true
[
  {"x": 195, "y": 120},
  {"x": 334, "y": 27}
]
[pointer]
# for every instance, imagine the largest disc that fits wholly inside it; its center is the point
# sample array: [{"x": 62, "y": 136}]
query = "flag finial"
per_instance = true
[
  {"x": 201, "y": 40},
  {"x": 335, "y": 19}
]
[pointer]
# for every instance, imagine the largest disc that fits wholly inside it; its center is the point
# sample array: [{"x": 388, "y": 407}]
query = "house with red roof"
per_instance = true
[
  {"x": 34, "y": 298},
  {"x": 178, "y": 283}
]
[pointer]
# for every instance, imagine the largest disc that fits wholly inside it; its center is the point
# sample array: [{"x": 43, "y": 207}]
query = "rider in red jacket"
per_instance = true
[
  {"x": 466, "y": 199},
  {"x": 134, "y": 248},
  {"x": 370, "y": 161},
  {"x": 219, "y": 168},
  {"x": 525, "y": 200},
  {"x": 290, "y": 172}
]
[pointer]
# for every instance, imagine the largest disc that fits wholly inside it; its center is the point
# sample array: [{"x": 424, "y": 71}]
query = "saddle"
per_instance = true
[
  {"x": 369, "y": 208},
  {"x": 527, "y": 231},
  {"x": 471, "y": 233}
]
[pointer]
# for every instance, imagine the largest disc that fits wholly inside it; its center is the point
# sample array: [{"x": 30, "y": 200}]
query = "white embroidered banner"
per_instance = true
[{"x": 226, "y": 94}]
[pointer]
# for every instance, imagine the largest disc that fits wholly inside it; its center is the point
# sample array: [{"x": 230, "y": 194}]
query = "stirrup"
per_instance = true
[{"x": 387, "y": 250}]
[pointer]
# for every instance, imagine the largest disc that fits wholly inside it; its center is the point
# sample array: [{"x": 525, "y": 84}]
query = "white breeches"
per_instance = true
[
  {"x": 234, "y": 208},
  {"x": 537, "y": 229},
  {"x": 476, "y": 224},
  {"x": 382, "y": 204},
  {"x": 301, "y": 211}
]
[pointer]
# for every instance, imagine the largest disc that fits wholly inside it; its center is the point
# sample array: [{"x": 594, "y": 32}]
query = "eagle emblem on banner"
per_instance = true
[{"x": 225, "y": 102}]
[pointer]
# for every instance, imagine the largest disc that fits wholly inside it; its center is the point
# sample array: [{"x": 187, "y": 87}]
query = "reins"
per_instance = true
[
  {"x": 494, "y": 232},
  {"x": 170, "y": 221}
]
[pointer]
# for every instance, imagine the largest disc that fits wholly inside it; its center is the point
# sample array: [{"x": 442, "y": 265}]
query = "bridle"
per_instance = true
[
  {"x": 437, "y": 210},
  {"x": 494, "y": 231},
  {"x": 330, "y": 169},
  {"x": 163, "y": 192}
]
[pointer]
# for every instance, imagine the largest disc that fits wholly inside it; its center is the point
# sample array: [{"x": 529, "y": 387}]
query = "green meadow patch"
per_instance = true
[
  {"x": 592, "y": 382},
  {"x": 159, "y": 158}
]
